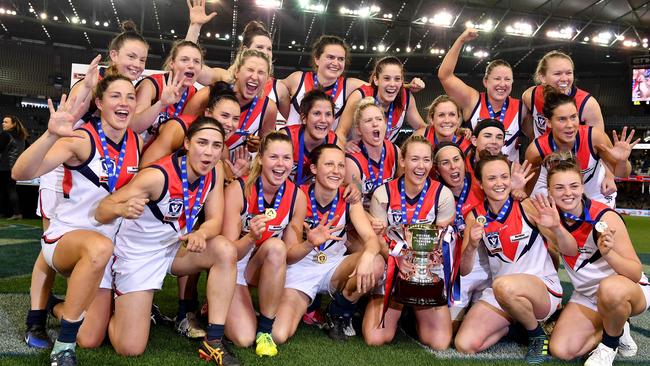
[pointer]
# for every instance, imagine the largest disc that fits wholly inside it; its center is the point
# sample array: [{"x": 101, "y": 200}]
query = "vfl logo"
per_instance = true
[
  {"x": 394, "y": 217},
  {"x": 247, "y": 221},
  {"x": 540, "y": 122},
  {"x": 174, "y": 209},
  {"x": 108, "y": 165},
  {"x": 493, "y": 243}
]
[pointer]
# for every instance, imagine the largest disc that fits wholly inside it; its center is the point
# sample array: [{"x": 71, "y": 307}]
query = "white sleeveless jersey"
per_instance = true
[
  {"x": 588, "y": 267},
  {"x": 511, "y": 123},
  {"x": 87, "y": 184},
  {"x": 163, "y": 221},
  {"x": 252, "y": 125},
  {"x": 591, "y": 166},
  {"x": 514, "y": 245},
  {"x": 53, "y": 180},
  {"x": 306, "y": 85}
]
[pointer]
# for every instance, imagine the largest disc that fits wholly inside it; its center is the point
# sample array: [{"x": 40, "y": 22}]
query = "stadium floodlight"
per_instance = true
[
  {"x": 630, "y": 43},
  {"x": 105, "y": 24},
  {"x": 308, "y": 7},
  {"x": 75, "y": 20},
  {"x": 481, "y": 54},
  {"x": 408, "y": 49},
  {"x": 564, "y": 33},
  {"x": 363, "y": 12},
  {"x": 269, "y": 4},
  {"x": 603, "y": 38},
  {"x": 97, "y": 23},
  {"x": 381, "y": 48},
  {"x": 208, "y": 35},
  {"x": 523, "y": 29},
  {"x": 83, "y": 21},
  {"x": 43, "y": 16},
  {"x": 55, "y": 18},
  {"x": 443, "y": 19},
  {"x": 227, "y": 36},
  {"x": 361, "y": 47},
  {"x": 486, "y": 26},
  {"x": 397, "y": 49}
]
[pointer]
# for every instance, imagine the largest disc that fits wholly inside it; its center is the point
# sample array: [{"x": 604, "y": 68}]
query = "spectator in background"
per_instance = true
[{"x": 12, "y": 144}]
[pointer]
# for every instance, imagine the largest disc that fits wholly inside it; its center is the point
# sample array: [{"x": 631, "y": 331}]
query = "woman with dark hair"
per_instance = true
[{"x": 12, "y": 144}]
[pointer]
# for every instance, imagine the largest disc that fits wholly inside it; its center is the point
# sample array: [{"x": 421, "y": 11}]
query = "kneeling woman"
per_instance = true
[
  {"x": 99, "y": 157},
  {"x": 525, "y": 285},
  {"x": 160, "y": 206},
  {"x": 319, "y": 265},
  {"x": 412, "y": 198},
  {"x": 264, "y": 216},
  {"x": 603, "y": 268}
]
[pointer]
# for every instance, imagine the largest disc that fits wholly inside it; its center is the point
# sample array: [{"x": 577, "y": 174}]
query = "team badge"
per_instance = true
[
  {"x": 174, "y": 209},
  {"x": 493, "y": 242},
  {"x": 108, "y": 166},
  {"x": 394, "y": 217},
  {"x": 540, "y": 122},
  {"x": 368, "y": 186}
]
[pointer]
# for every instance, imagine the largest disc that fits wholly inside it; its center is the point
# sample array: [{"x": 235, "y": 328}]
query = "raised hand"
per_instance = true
[
  {"x": 240, "y": 162},
  {"x": 606, "y": 241},
  {"x": 476, "y": 233},
  {"x": 547, "y": 214},
  {"x": 323, "y": 232},
  {"x": 62, "y": 120},
  {"x": 468, "y": 35},
  {"x": 416, "y": 85},
  {"x": 197, "y": 12},
  {"x": 257, "y": 226},
  {"x": 622, "y": 147},
  {"x": 92, "y": 73},
  {"x": 172, "y": 90},
  {"x": 520, "y": 174},
  {"x": 253, "y": 143}
]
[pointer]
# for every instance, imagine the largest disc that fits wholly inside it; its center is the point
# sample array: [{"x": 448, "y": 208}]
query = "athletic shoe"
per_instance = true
[
  {"x": 36, "y": 337},
  {"x": 315, "y": 318},
  {"x": 189, "y": 327},
  {"x": 67, "y": 357},
  {"x": 265, "y": 345},
  {"x": 158, "y": 318},
  {"x": 335, "y": 327},
  {"x": 626, "y": 345},
  {"x": 349, "y": 329},
  {"x": 601, "y": 356},
  {"x": 537, "y": 350},
  {"x": 15, "y": 217},
  {"x": 218, "y": 353}
]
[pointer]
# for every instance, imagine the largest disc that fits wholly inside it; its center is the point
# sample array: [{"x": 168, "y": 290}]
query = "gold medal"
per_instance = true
[
  {"x": 270, "y": 213},
  {"x": 321, "y": 257},
  {"x": 481, "y": 220},
  {"x": 601, "y": 226}
]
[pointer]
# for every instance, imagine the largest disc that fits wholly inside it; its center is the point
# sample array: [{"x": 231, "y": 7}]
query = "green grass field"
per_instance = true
[{"x": 19, "y": 245}]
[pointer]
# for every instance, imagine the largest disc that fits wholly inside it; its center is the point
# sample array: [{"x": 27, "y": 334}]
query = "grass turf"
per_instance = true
[{"x": 308, "y": 346}]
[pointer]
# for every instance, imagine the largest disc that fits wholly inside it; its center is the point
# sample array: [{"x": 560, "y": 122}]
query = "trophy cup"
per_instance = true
[{"x": 425, "y": 285}]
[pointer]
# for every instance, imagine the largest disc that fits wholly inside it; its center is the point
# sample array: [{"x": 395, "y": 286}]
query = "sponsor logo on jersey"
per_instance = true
[
  {"x": 519, "y": 237},
  {"x": 132, "y": 169}
]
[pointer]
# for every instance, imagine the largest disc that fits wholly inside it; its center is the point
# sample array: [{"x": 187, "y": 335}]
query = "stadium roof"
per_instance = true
[{"x": 601, "y": 35}]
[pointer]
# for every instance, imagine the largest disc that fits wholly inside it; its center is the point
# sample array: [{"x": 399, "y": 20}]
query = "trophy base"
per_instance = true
[{"x": 410, "y": 293}]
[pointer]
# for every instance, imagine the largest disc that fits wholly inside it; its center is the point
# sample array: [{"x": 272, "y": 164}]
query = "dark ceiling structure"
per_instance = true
[{"x": 600, "y": 35}]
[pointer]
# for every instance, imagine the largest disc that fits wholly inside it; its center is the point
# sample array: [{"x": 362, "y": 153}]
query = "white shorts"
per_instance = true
[
  {"x": 471, "y": 289},
  {"x": 312, "y": 278},
  {"x": 556, "y": 301},
  {"x": 592, "y": 302},
  {"x": 241, "y": 268},
  {"x": 47, "y": 201},
  {"x": 141, "y": 274}
]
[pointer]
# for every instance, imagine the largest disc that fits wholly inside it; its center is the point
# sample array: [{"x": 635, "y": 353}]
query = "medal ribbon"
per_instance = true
[
  {"x": 502, "y": 213},
  {"x": 418, "y": 207},
  {"x": 301, "y": 155},
  {"x": 260, "y": 196},
  {"x": 112, "y": 171},
  {"x": 586, "y": 217},
  {"x": 334, "y": 89},
  {"x": 242, "y": 130},
  {"x": 178, "y": 107},
  {"x": 191, "y": 212},
  {"x": 376, "y": 181},
  {"x": 314, "y": 210},
  {"x": 458, "y": 220},
  {"x": 576, "y": 144},
  {"x": 504, "y": 108},
  {"x": 435, "y": 139}
]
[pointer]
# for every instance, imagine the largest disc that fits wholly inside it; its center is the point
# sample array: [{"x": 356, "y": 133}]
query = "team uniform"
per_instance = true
[
  {"x": 309, "y": 275},
  {"x": 588, "y": 267},
  {"x": 85, "y": 185},
  {"x": 336, "y": 91},
  {"x": 297, "y": 132},
  {"x": 250, "y": 122},
  {"x": 537, "y": 102},
  {"x": 270, "y": 90},
  {"x": 591, "y": 166},
  {"x": 396, "y": 114},
  {"x": 145, "y": 247},
  {"x": 436, "y": 203},
  {"x": 274, "y": 227},
  {"x": 158, "y": 81},
  {"x": 371, "y": 169},
  {"x": 514, "y": 246},
  {"x": 465, "y": 145},
  {"x": 511, "y": 122},
  {"x": 468, "y": 289}
]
